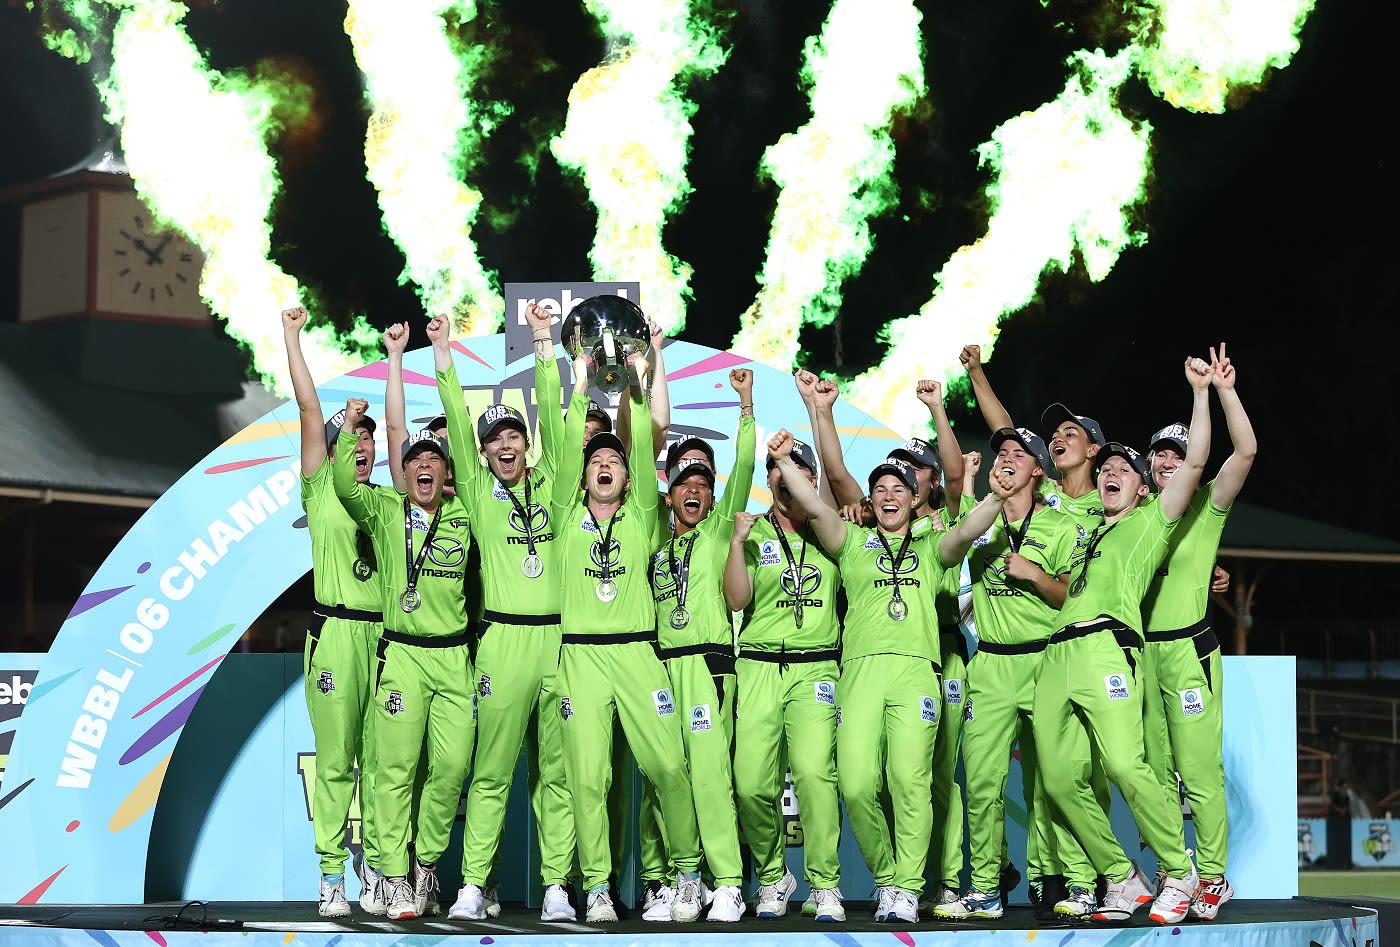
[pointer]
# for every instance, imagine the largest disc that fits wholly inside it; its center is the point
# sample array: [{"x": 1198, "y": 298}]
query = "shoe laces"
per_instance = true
[
  {"x": 688, "y": 891},
  {"x": 399, "y": 890},
  {"x": 599, "y": 898}
]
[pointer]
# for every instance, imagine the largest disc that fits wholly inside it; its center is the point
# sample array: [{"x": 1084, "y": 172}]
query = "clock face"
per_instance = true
[{"x": 143, "y": 268}]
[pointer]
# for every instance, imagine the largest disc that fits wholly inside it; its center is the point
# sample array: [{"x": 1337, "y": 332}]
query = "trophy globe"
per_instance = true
[{"x": 607, "y": 329}]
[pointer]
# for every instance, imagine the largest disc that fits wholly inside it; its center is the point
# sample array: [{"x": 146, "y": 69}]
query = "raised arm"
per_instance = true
[
  {"x": 950, "y": 456},
  {"x": 660, "y": 400},
  {"x": 826, "y": 523},
  {"x": 1233, "y": 472},
  {"x": 548, "y": 410},
  {"x": 738, "y": 581},
  {"x": 736, "y": 492},
  {"x": 356, "y": 497},
  {"x": 395, "y": 415},
  {"x": 955, "y": 543},
  {"x": 313, "y": 422},
  {"x": 461, "y": 436},
  {"x": 1177, "y": 493},
  {"x": 641, "y": 459},
  {"x": 993, "y": 413},
  {"x": 819, "y": 395},
  {"x": 972, "y": 462},
  {"x": 568, "y": 477}
]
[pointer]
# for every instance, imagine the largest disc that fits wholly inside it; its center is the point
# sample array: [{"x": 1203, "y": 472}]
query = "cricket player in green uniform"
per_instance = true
[
  {"x": 518, "y": 650},
  {"x": 890, "y": 665},
  {"x": 608, "y": 665},
  {"x": 1018, "y": 574},
  {"x": 1183, "y": 719},
  {"x": 422, "y": 677},
  {"x": 345, "y": 626},
  {"x": 786, "y": 584},
  {"x": 1088, "y": 699},
  {"x": 696, "y": 636}
]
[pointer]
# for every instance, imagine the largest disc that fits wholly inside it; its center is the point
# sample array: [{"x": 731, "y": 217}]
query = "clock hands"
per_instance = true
[{"x": 153, "y": 256}]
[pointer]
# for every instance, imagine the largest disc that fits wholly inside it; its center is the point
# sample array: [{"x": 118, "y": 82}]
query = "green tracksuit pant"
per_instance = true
[
  {"x": 889, "y": 709},
  {"x": 1184, "y": 721},
  {"x": 336, "y": 669},
  {"x": 626, "y": 681},
  {"x": 705, "y": 705},
  {"x": 945, "y": 853},
  {"x": 1088, "y": 701},
  {"x": 787, "y": 717},
  {"x": 424, "y": 704},
  {"x": 516, "y": 671},
  {"x": 1001, "y": 688}
]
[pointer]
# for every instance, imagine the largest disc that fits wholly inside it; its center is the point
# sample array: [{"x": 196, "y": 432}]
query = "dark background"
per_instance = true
[{"x": 1269, "y": 226}]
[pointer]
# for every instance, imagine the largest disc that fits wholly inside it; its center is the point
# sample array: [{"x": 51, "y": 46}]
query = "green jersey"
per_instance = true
[
  {"x": 946, "y": 599},
  {"x": 510, "y": 525},
  {"x": 697, "y": 560},
  {"x": 1180, "y": 590},
  {"x": 400, "y": 528},
  {"x": 1010, "y": 611},
  {"x": 1086, "y": 512},
  {"x": 608, "y": 559},
  {"x": 869, "y": 572},
  {"x": 343, "y": 563},
  {"x": 779, "y": 598},
  {"x": 1120, "y": 558}
]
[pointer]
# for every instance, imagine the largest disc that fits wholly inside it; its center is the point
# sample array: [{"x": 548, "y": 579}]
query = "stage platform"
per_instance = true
[{"x": 1298, "y": 922}]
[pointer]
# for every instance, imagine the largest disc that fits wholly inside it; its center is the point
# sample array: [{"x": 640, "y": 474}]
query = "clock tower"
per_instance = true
[{"x": 90, "y": 249}]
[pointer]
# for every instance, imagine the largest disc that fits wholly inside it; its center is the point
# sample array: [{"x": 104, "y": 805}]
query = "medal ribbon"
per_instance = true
[
  {"x": 794, "y": 565},
  {"x": 1015, "y": 539},
  {"x": 682, "y": 578},
  {"x": 895, "y": 560},
  {"x": 1095, "y": 538},
  {"x": 415, "y": 565},
  {"x": 607, "y": 544},
  {"x": 524, "y": 512}
]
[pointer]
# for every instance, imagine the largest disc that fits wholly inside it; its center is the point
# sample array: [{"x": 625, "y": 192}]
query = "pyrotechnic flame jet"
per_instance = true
[
  {"x": 628, "y": 136},
  {"x": 835, "y": 172},
  {"x": 195, "y": 143},
  {"x": 424, "y": 132}
]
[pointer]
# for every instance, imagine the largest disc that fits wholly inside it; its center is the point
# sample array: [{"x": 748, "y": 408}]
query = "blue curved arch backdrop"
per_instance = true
[{"x": 112, "y": 697}]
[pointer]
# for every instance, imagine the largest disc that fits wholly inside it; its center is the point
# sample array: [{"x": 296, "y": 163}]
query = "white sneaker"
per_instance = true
[
  {"x": 333, "y": 903},
  {"x": 973, "y": 904},
  {"x": 556, "y": 906},
  {"x": 425, "y": 888},
  {"x": 1174, "y": 898},
  {"x": 491, "y": 894},
  {"x": 884, "y": 902},
  {"x": 1079, "y": 904},
  {"x": 728, "y": 904},
  {"x": 600, "y": 908},
  {"x": 1211, "y": 898},
  {"x": 371, "y": 887},
  {"x": 400, "y": 904},
  {"x": 772, "y": 900},
  {"x": 469, "y": 905},
  {"x": 691, "y": 895},
  {"x": 1122, "y": 899},
  {"x": 826, "y": 905},
  {"x": 656, "y": 903},
  {"x": 903, "y": 907},
  {"x": 944, "y": 895}
]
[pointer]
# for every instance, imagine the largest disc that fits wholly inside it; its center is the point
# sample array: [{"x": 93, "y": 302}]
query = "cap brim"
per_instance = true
[
  {"x": 1177, "y": 445},
  {"x": 504, "y": 422},
  {"x": 890, "y": 470},
  {"x": 911, "y": 460},
  {"x": 685, "y": 473},
  {"x": 1116, "y": 449},
  {"x": 604, "y": 440}
]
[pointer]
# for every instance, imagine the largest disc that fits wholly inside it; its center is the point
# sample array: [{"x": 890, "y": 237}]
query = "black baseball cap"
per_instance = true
[
  {"x": 337, "y": 422},
  {"x": 596, "y": 412},
  {"x": 1115, "y": 449},
  {"x": 497, "y": 415},
  {"x": 428, "y": 441},
  {"x": 674, "y": 452},
  {"x": 689, "y": 467},
  {"x": 601, "y": 440},
  {"x": 802, "y": 455},
  {"x": 918, "y": 452},
  {"x": 1030, "y": 441},
  {"x": 1055, "y": 415},
  {"x": 1176, "y": 436},
  {"x": 438, "y": 422},
  {"x": 899, "y": 468}
]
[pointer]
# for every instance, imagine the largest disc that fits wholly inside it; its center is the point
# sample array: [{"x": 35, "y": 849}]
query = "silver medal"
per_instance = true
[
  {"x": 1077, "y": 586},
  {"x": 897, "y": 609},
  {"x": 531, "y": 566},
  {"x": 410, "y": 600},
  {"x": 606, "y": 590},
  {"x": 680, "y": 617}
]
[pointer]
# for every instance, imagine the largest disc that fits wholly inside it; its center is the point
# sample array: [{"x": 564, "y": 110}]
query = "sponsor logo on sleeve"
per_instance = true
[
  {"x": 1193, "y": 702},
  {"x": 700, "y": 718},
  {"x": 769, "y": 553},
  {"x": 928, "y": 710},
  {"x": 826, "y": 693},
  {"x": 953, "y": 691},
  {"x": 1117, "y": 686}
]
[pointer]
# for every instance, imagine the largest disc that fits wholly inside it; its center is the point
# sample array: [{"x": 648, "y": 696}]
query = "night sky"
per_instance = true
[{"x": 1269, "y": 226}]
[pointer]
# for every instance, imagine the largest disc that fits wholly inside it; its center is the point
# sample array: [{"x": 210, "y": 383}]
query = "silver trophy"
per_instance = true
[{"x": 607, "y": 329}]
